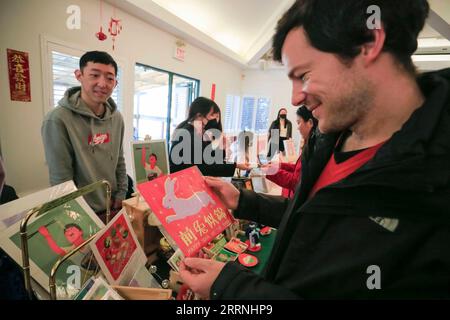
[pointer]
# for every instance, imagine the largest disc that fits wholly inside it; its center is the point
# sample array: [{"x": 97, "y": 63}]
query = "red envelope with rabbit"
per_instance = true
[{"x": 186, "y": 207}]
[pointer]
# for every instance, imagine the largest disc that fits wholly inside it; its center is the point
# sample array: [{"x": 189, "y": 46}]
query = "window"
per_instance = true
[
  {"x": 231, "y": 117},
  {"x": 250, "y": 115},
  {"x": 161, "y": 101},
  {"x": 63, "y": 78},
  {"x": 262, "y": 115}
]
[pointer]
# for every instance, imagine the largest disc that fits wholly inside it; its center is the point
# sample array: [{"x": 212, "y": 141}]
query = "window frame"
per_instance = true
[
  {"x": 171, "y": 74},
  {"x": 49, "y": 44},
  {"x": 236, "y": 125}
]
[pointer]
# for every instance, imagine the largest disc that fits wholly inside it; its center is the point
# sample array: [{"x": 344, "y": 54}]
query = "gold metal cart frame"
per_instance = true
[{"x": 45, "y": 208}]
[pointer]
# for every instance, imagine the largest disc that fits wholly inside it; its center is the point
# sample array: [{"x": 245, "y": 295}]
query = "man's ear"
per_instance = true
[
  {"x": 370, "y": 51},
  {"x": 78, "y": 74}
]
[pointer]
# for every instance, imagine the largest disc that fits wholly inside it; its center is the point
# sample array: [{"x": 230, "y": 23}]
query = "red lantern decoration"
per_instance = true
[{"x": 114, "y": 28}]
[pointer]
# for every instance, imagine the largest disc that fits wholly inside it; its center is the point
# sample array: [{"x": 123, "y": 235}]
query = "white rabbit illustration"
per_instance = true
[{"x": 184, "y": 207}]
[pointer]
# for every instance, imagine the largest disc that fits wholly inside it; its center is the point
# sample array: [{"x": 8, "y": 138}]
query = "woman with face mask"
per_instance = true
[
  {"x": 287, "y": 175},
  {"x": 284, "y": 127},
  {"x": 191, "y": 146},
  {"x": 213, "y": 129}
]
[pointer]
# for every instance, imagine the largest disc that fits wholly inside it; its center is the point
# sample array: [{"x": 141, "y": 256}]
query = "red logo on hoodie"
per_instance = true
[{"x": 99, "y": 138}]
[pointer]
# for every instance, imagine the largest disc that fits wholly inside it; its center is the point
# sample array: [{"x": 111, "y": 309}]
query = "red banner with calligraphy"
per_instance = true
[
  {"x": 188, "y": 210},
  {"x": 19, "y": 75}
]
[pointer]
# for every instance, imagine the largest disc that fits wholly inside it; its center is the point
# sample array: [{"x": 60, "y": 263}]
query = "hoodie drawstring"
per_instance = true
[
  {"x": 110, "y": 139},
  {"x": 92, "y": 136}
]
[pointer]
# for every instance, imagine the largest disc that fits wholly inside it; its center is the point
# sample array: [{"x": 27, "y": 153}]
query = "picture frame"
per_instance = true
[
  {"x": 13, "y": 212},
  {"x": 175, "y": 260},
  {"x": 151, "y": 170},
  {"x": 117, "y": 250},
  {"x": 101, "y": 290},
  {"x": 142, "y": 278},
  {"x": 52, "y": 235},
  {"x": 242, "y": 183}
]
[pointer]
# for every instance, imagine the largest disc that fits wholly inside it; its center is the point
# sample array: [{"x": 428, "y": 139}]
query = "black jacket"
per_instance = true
[
  {"x": 275, "y": 125},
  {"x": 219, "y": 169},
  {"x": 393, "y": 213},
  {"x": 275, "y": 146}
]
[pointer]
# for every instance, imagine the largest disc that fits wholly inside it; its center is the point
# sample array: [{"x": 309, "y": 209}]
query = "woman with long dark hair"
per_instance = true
[
  {"x": 288, "y": 174},
  {"x": 189, "y": 135},
  {"x": 284, "y": 127}
]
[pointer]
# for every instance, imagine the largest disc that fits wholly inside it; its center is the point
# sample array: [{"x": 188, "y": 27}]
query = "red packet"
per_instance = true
[
  {"x": 236, "y": 245},
  {"x": 186, "y": 207}
]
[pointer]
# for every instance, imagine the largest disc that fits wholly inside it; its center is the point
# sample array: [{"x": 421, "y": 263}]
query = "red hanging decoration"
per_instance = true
[
  {"x": 100, "y": 35},
  {"x": 114, "y": 27}
]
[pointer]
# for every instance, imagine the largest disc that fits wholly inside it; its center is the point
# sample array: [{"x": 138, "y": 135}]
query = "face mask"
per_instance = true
[
  {"x": 212, "y": 124},
  {"x": 282, "y": 116}
]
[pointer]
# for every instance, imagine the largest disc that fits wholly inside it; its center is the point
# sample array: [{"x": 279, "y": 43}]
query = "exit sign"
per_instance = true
[{"x": 179, "y": 53}]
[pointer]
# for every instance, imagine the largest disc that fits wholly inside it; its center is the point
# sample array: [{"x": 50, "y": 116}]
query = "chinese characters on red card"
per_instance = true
[
  {"x": 188, "y": 210},
  {"x": 19, "y": 75}
]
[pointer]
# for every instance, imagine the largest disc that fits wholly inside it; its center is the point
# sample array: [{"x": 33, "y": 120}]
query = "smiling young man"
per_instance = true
[
  {"x": 371, "y": 215},
  {"x": 83, "y": 135}
]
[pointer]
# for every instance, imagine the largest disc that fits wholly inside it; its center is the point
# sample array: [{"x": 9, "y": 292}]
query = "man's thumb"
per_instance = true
[
  {"x": 196, "y": 263},
  {"x": 213, "y": 182}
]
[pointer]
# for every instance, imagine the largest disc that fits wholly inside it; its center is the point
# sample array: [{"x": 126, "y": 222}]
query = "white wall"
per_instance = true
[
  {"x": 24, "y": 22},
  {"x": 275, "y": 85}
]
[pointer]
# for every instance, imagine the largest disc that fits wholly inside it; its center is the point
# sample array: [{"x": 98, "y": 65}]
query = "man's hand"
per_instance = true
[
  {"x": 199, "y": 274},
  {"x": 225, "y": 191}
]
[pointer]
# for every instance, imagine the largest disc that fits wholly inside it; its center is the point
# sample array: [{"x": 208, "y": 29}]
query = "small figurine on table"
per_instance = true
[{"x": 252, "y": 234}]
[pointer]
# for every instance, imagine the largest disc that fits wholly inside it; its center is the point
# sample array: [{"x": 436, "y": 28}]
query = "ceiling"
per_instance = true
[{"x": 240, "y": 31}]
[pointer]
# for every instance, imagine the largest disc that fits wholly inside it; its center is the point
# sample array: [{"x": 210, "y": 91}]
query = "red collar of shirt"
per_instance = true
[{"x": 334, "y": 172}]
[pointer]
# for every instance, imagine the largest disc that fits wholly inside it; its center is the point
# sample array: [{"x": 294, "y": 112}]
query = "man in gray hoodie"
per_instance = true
[{"x": 83, "y": 135}]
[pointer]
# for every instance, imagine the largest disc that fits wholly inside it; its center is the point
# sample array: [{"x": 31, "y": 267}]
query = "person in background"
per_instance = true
[
  {"x": 216, "y": 119},
  {"x": 83, "y": 135},
  {"x": 218, "y": 141},
  {"x": 215, "y": 123},
  {"x": 284, "y": 127},
  {"x": 370, "y": 218},
  {"x": 190, "y": 136},
  {"x": 288, "y": 174}
]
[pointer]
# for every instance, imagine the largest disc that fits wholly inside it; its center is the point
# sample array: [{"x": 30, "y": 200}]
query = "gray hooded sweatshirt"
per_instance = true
[{"x": 82, "y": 147}]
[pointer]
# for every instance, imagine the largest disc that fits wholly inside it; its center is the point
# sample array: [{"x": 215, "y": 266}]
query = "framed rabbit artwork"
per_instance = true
[{"x": 187, "y": 209}]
